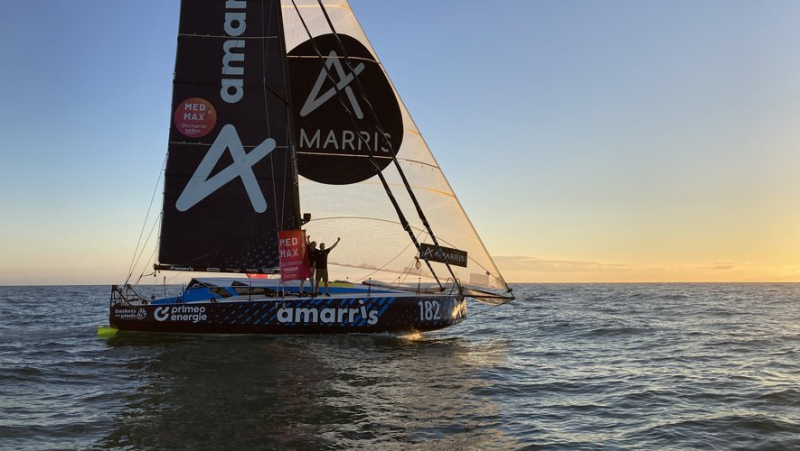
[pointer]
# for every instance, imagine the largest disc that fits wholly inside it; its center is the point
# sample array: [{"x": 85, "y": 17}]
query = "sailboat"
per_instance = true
[{"x": 286, "y": 129}]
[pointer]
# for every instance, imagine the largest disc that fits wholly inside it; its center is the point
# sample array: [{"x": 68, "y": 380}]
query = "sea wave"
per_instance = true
[{"x": 563, "y": 367}]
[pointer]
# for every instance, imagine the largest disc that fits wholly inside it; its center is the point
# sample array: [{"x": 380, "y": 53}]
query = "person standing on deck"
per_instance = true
[
  {"x": 311, "y": 250},
  {"x": 322, "y": 266}
]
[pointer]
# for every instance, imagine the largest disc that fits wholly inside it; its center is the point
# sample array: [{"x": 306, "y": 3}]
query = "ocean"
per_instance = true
[{"x": 650, "y": 366}]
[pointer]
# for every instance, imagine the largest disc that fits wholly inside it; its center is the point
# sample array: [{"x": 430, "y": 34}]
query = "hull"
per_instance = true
[{"x": 358, "y": 313}]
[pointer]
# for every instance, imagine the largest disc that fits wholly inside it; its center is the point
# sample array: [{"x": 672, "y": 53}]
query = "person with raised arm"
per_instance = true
[{"x": 321, "y": 262}]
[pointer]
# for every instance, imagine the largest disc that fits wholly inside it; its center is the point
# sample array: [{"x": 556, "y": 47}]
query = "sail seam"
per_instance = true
[
  {"x": 184, "y": 143},
  {"x": 214, "y": 36},
  {"x": 304, "y": 152},
  {"x": 355, "y": 58}
]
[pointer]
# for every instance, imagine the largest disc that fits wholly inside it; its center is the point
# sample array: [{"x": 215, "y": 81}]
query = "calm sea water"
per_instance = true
[{"x": 564, "y": 367}]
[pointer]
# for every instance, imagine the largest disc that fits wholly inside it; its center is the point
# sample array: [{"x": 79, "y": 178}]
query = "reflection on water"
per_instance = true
[{"x": 339, "y": 392}]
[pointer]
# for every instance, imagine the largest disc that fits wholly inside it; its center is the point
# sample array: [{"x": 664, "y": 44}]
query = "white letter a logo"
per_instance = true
[
  {"x": 201, "y": 186},
  {"x": 315, "y": 100}
]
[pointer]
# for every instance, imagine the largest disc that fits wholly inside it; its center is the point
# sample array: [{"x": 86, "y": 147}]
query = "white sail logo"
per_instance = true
[
  {"x": 201, "y": 186},
  {"x": 334, "y": 102},
  {"x": 315, "y": 100}
]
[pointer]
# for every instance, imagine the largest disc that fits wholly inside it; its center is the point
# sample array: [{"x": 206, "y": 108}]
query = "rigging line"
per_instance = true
[
  {"x": 174, "y": 276},
  {"x": 147, "y": 216},
  {"x": 363, "y": 93},
  {"x": 155, "y": 223},
  {"x": 152, "y": 257},
  {"x": 340, "y": 94},
  {"x": 406, "y": 275},
  {"x": 157, "y": 246},
  {"x": 390, "y": 261},
  {"x": 158, "y": 240}
]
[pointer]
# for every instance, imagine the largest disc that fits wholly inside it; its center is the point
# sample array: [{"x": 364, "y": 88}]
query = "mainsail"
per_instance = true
[
  {"x": 230, "y": 184},
  {"x": 349, "y": 122}
]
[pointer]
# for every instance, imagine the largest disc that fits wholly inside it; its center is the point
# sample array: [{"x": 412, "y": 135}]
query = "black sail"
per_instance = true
[{"x": 230, "y": 184}]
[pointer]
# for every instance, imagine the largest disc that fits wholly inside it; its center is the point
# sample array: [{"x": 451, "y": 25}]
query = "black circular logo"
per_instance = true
[{"x": 335, "y": 132}]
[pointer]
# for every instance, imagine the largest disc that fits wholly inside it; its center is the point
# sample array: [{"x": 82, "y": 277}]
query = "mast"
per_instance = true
[{"x": 298, "y": 222}]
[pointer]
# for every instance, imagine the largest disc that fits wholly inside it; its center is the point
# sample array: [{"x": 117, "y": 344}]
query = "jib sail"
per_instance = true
[{"x": 349, "y": 123}]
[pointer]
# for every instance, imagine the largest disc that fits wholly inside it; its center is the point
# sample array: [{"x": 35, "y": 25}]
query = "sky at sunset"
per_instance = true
[{"x": 589, "y": 141}]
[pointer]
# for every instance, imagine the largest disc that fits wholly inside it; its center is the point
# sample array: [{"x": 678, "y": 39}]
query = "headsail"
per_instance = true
[
  {"x": 341, "y": 146},
  {"x": 230, "y": 185}
]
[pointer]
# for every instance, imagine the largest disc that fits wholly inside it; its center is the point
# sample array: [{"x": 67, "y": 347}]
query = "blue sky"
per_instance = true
[{"x": 587, "y": 140}]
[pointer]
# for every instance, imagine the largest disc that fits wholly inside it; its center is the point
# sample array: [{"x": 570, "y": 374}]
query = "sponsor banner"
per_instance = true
[
  {"x": 314, "y": 315},
  {"x": 354, "y": 314},
  {"x": 181, "y": 313},
  {"x": 295, "y": 263},
  {"x": 131, "y": 313},
  {"x": 195, "y": 118},
  {"x": 445, "y": 255},
  {"x": 336, "y": 134}
]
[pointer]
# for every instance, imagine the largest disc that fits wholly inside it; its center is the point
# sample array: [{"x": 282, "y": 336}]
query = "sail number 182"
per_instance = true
[{"x": 429, "y": 310}]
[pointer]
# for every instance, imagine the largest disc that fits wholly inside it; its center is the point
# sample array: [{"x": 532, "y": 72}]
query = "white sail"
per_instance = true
[{"x": 374, "y": 245}]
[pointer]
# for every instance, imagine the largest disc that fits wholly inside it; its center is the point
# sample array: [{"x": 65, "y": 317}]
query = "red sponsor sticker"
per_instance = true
[
  {"x": 294, "y": 255},
  {"x": 195, "y": 117}
]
